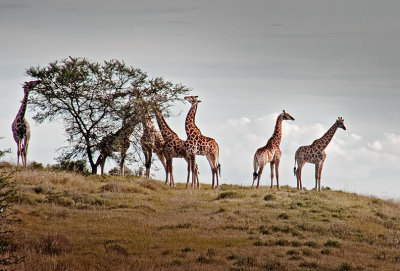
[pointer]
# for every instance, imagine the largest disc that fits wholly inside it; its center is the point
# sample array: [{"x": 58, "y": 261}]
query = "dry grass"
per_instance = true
[{"x": 70, "y": 222}]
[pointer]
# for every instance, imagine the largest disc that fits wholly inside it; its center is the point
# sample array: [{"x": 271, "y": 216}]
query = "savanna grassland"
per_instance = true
[{"x": 65, "y": 221}]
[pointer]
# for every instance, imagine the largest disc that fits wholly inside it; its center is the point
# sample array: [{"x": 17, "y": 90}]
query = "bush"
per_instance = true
[
  {"x": 78, "y": 166},
  {"x": 54, "y": 244},
  {"x": 35, "y": 165},
  {"x": 332, "y": 243},
  {"x": 228, "y": 195},
  {"x": 269, "y": 197}
]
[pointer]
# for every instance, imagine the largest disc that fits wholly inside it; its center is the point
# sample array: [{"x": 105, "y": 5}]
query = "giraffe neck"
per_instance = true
[
  {"x": 128, "y": 126},
  {"x": 324, "y": 141},
  {"x": 277, "y": 135},
  {"x": 166, "y": 131},
  {"x": 22, "y": 109},
  {"x": 148, "y": 126},
  {"x": 190, "y": 122}
]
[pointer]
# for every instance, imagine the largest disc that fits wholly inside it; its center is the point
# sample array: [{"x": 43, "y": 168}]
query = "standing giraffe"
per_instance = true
[
  {"x": 117, "y": 142},
  {"x": 20, "y": 126},
  {"x": 197, "y": 144},
  {"x": 315, "y": 154},
  {"x": 173, "y": 147},
  {"x": 270, "y": 153},
  {"x": 151, "y": 141}
]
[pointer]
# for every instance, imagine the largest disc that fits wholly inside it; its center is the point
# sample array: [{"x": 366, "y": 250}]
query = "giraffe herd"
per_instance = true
[{"x": 167, "y": 145}]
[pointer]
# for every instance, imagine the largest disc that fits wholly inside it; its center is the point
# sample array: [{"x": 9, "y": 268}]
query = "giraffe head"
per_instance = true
[
  {"x": 28, "y": 86},
  {"x": 192, "y": 99},
  {"x": 340, "y": 123},
  {"x": 286, "y": 116}
]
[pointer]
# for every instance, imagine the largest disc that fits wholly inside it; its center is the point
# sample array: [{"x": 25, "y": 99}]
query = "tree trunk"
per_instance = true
[{"x": 94, "y": 168}]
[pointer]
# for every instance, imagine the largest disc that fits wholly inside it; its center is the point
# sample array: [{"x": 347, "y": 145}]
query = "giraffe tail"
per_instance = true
[
  {"x": 294, "y": 169},
  {"x": 219, "y": 169}
]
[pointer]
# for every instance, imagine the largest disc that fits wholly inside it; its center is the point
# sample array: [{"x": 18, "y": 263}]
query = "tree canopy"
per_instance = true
[{"x": 93, "y": 99}]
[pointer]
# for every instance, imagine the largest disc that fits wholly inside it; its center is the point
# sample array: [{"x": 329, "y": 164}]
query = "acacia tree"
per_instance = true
[{"x": 92, "y": 99}]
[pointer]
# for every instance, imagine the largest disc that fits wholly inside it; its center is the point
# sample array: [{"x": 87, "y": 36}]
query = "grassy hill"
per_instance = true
[{"x": 71, "y": 222}]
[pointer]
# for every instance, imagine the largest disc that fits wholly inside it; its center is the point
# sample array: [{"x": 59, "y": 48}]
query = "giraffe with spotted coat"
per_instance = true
[
  {"x": 270, "y": 153},
  {"x": 174, "y": 147},
  {"x": 197, "y": 144},
  {"x": 20, "y": 126},
  {"x": 315, "y": 154}
]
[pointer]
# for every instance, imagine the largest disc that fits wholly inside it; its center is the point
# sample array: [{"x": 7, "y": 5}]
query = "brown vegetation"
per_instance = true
[{"x": 71, "y": 222}]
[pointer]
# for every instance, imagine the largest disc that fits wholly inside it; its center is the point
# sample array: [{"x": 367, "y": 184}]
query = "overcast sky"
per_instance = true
[{"x": 246, "y": 60}]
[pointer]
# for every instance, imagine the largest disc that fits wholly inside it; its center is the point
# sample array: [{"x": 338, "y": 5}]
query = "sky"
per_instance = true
[{"x": 247, "y": 61}]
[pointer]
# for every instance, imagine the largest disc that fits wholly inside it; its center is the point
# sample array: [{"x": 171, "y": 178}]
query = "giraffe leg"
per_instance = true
[
  {"x": 316, "y": 176},
  {"x": 319, "y": 176},
  {"x": 214, "y": 168},
  {"x": 277, "y": 173},
  {"x": 122, "y": 165},
  {"x": 25, "y": 151},
  {"x": 167, "y": 172},
  {"x": 171, "y": 175},
  {"x": 298, "y": 174},
  {"x": 216, "y": 176},
  {"x": 196, "y": 168},
  {"x": 163, "y": 161},
  {"x": 259, "y": 175},
  {"x": 188, "y": 171},
  {"x": 254, "y": 175},
  {"x": 272, "y": 173},
  {"x": 193, "y": 169},
  {"x": 18, "y": 151},
  {"x": 147, "y": 162}
]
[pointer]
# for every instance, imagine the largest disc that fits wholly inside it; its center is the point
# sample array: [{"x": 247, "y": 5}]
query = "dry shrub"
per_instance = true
[
  {"x": 151, "y": 185},
  {"x": 341, "y": 230},
  {"x": 114, "y": 187},
  {"x": 393, "y": 240},
  {"x": 121, "y": 187},
  {"x": 228, "y": 195},
  {"x": 53, "y": 244},
  {"x": 145, "y": 207},
  {"x": 115, "y": 248}
]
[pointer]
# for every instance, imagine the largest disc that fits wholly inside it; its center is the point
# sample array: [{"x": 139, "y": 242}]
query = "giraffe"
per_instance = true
[
  {"x": 117, "y": 142},
  {"x": 315, "y": 154},
  {"x": 151, "y": 141},
  {"x": 197, "y": 144},
  {"x": 270, "y": 153},
  {"x": 20, "y": 126},
  {"x": 173, "y": 147}
]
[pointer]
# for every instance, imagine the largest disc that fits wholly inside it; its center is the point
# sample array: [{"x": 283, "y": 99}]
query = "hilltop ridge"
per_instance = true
[{"x": 71, "y": 222}]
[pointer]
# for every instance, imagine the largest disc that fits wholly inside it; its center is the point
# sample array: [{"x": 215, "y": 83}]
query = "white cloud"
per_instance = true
[{"x": 376, "y": 145}]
